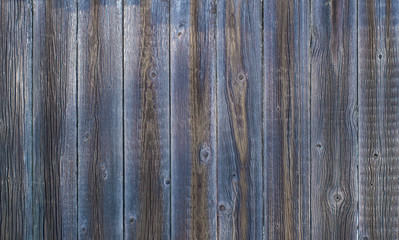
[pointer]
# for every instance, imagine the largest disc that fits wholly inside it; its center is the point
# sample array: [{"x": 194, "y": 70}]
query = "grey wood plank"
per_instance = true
[
  {"x": 378, "y": 119},
  {"x": 287, "y": 119},
  {"x": 100, "y": 127},
  {"x": 239, "y": 119},
  {"x": 334, "y": 143},
  {"x": 193, "y": 119},
  {"x": 146, "y": 119},
  {"x": 15, "y": 119},
  {"x": 54, "y": 120}
]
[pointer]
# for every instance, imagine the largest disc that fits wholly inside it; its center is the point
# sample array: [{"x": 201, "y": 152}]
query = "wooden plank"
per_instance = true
[
  {"x": 193, "y": 119},
  {"x": 334, "y": 145},
  {"x": 100, "y": 129},
  {"x": 146, "y": 114},
  {"x": 239, "y": 104},
  {"x": 286, "y": 120},
  {"x": 15, "y": 119},
  {"x": 54, "y": 120},
  {"x": 378, "y": 119}
]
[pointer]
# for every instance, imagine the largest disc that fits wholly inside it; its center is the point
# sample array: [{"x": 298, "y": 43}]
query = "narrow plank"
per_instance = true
[
  {"x": 334, "y": 145},
  {"x": 146, "y": 114},
  {"x": 286, "y": 120},
  {"x": 193, "y": 119},
  {"x": 239, "y": 104},
  {"x": 54, "y": 120},
  {"x": 378, "y": 119},
  {"x": 15, "y": 119},
  {"x": 100, "y": 139}
]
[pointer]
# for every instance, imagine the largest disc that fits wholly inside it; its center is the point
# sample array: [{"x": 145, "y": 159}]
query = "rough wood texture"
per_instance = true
[
  {"x": 15, "y": 119},
  {"x": 54, "y": 120},
  {"x": 146, "y": 115},
  {"x": 334, "y": 145},
  {"x": 193, "y": 109},
  {"x": 378, "y": 119},
  {"x": 239, "y": 104},
  {"x": 100, "y": 146},
  {"x": 286, "y": 120}
]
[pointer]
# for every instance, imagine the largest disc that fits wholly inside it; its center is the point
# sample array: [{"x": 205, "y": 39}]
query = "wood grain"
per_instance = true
[
  {"x": 334, "y": 144},
  {"x": 193, "y": 109},
  {"x": 54, "y": 120},
  {"x": 239, "y": 119},
  {"x": 378, "y": 119},
  {"x": 100, "y": 128},
  {"x": 146, "y": 119},
  {"x": 15, "y": 119},
  {"x": 286, "y": 120}
]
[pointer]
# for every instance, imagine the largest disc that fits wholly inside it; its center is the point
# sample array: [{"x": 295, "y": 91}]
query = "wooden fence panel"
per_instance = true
[
  {"x": 193, "y": 119},
  {"x": 286, "y": 120},
  {"x": 146, "y": 119},
  {"x": 239, "y": 119},
  {"x": 100, "y": 127},
  {"x": 15, "y": 119},
  {"x": 334, "y": 143},
  {"x": 378, "y": 119}
]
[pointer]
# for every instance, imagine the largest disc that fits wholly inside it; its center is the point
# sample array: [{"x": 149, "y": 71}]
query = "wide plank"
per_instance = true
[
  {"x": 100, "y": 126},
  {"x": 378, "y": 69},
  {"x": 239, "y": 119},
  {"x": 146, "y": 119},
  {"x": 15, "y": 119},
  {"x": 286, "y": 119},
  {"x": 334, "y": 142},
  {"x": 54, "y": 120},
  {"x": 193, "y": 119}
]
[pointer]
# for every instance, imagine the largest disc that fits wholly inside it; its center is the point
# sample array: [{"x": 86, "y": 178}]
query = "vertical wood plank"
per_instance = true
[
  {"x": 54, "y": 120},
  {"x": 334, "y": 145},
  {"x": 286, "y": 120},
  {"x": 100, "y": 136},
  {"x": 193, "y": 119},
  {"x": 378, "y": 119},
  {"x": 15, "y": 119},
  {"x": 146, "y": 114},
  {"x": 239, "y": 104}
]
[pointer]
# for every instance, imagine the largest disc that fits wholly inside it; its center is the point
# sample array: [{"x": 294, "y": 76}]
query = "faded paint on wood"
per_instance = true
[
  {"x": 54, "y": 120},
  {"x": 193, "y": 120},
  {"x": 146, "y": 119},
  {"x": 378, "y": 119},
  {"x": 239, "y": 119},
  {"x": 334, "y": 144},
  {"x": 15, "y": 119},
  {"x": 286, "y": 120},
  {"x": 100, "y": 137}
]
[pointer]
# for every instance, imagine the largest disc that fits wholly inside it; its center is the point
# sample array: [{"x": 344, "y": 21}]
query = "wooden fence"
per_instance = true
[{"x": 199, "y": 119}]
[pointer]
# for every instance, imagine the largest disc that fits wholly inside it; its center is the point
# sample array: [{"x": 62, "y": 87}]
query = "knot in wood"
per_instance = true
[{"x": 205, "y": 153}]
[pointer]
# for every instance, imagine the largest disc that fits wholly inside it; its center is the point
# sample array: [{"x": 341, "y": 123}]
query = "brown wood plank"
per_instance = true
[
  {"x": 54, "y": 120},
  {"x": 287, "y": 119},
  {"x": 146, "y": 119},
  {"x": 378, "y": 119},
  {"x": 100, "y": 136},
  {"x": 239, "y": 119},
  {"x": 193, "y": 119},
  {"x": 15, "y": 119},
  {"x": 334, "y": 144}
]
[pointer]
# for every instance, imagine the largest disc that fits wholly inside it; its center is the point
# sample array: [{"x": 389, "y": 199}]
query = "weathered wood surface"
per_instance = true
[
  {"x": 54, "y": 120},
  {"x": 334, "y": 145},
  {"x": 193, "y": 119},
  {"x": 286, "y": 120},
  {"x": 378, "y": 119},
  {"x": 15, "y": 119},
  {"x": 100, "y": 126},
  {"x": 239, "y": 119},
  {"x": 189, "y": 119},
  {"x": 146, "y": 119}
]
